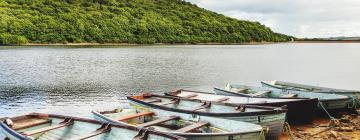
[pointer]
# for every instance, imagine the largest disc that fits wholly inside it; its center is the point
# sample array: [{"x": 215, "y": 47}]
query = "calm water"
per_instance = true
[{"x": 74, "y": 81}]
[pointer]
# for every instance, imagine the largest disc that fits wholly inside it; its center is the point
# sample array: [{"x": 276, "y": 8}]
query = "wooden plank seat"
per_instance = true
[
  {"x": 103, "y": 129},
  {"x": 27, "y": 123},
  {"x": 190, "y": 96},
  {"x": 257, "y": 94},
  {"x": 66, "y": 122},
  {"x": 172, "y": 101},
  {"x": 289, "y": 96},
  {"x": 153, "y": 100},
  {"x": 203, "y": 106},
  {"x": 146, "y": 113},
  {"x": 193, "y": 127},
  {"x": 221, "y": 99},
  {"x": 158, "y": 121},
  {"x": 239, "y": 90}
]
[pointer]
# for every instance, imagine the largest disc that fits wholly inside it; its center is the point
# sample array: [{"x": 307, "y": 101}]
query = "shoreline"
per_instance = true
[
  {"x": 174, "y": 44},
  {"x": 327, "y": 41},
  {"x": 130, "y": 44}
]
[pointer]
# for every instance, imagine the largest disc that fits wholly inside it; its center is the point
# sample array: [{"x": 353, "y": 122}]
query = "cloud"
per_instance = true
[{"x": 301, "y": 18}]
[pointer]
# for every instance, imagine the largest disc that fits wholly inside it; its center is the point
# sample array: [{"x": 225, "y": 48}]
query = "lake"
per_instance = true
[{"x": 76, "y": 80}]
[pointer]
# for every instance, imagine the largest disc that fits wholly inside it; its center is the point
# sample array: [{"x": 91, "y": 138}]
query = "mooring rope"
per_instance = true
[
  {"x": 287, "y": 131},
  {"x": 322, "y": 106},
  {"x": 263, "y": 133},
  {"x": 355, "y": 102}
]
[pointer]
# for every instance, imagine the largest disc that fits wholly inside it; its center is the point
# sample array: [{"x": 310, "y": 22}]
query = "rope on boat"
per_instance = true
[
  {"x": 263, "y": 133},
  {"x": 287, "y": 131},
  {"x": 354, "y": 102},
  {"x": 322, "y": 106}
]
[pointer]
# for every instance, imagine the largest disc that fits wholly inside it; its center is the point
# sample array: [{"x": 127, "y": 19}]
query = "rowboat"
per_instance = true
[
  {"x": 269, "y": 117},
  {"x": 330, "y": 102},
  {"x": 293, "y": 116},
  {"x": 55, "y": 127},
  {"x": 308, "y": 88},
  {"x": 178, "y": 124}
]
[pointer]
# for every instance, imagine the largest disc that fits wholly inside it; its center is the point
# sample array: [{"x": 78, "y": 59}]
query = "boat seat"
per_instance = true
[
  {"x": 203, "y": 106},
  {"x": 103, "y": 129},
  {"x": 172, "y": 101},
  {"x": 289, "y": 96},
  {"x": 158, "y": 121},
  {"x": 260, "y": 102},
  {"x": 190, "y": 96},
  {"x": 239, "y": 90},
  {"x": 66, "y": 122},
  {"x": 124, "y": 118},
  {"x": 153, "y": 100},
  {"x": 221, "y": 99},
  {"x": 27, "y": 123},
  {"x": 192, "y": 127},
  {"x": 259, "y": 93}
]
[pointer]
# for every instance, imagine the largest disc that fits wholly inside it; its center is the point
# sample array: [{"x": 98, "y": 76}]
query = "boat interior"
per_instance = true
[
  {"x": 293, "y": 86},
  {"x": 256, "y": 93},
  {"x": 149, "y": 119},
  {"x": 40, "y": 126},
  {"x": 45, "y": 127},
  {"x": 200, "y": 106},
  {"x": 211, "y": 97},
  {"x": 278, "y": 93}
]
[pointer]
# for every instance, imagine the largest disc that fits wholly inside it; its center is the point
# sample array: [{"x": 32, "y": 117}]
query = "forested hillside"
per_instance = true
[{"x": 123, "y": 21}]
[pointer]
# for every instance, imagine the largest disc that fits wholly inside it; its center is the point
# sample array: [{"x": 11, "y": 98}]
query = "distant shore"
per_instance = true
[
  {"x": 155, "y": 44},
  {"x": 327, "y": 41},
  {"x": 129, "y": 44}
]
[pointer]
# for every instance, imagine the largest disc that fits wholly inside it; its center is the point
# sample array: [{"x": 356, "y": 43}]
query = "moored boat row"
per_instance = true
[{"x": 231, "y": 113}]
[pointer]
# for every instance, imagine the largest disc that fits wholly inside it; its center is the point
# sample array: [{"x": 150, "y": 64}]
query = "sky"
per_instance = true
[{"x": 299, "y": 18}]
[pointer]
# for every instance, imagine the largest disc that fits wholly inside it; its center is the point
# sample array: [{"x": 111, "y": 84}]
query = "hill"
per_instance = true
[{"x": 123, "y": 21}]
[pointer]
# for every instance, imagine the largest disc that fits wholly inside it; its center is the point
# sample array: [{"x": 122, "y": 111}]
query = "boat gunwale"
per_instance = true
[
  {"x": 322, "y": 100},
  {"x": 335, "y": 90},
  {"x": 290, "y": 99},
  {"x": 98, "y": 114},
  {"x": 237, "y": 104},
  {"x": 267, "y": 108},
  {"x": 235, "y": 114},
  {"x": 17, "y": 134}
]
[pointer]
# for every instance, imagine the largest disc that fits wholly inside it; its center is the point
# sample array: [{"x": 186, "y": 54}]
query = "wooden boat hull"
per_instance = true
[
  {"x": 80, "y": 128},
  {"x": 332, "y": 103},
  {"x": 274, "y": 122},
  {"x": 246, "y": 135},
  {"x": 293, "y": 115}
]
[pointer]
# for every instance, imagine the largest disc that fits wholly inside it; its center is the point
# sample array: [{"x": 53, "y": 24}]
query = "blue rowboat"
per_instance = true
[
  {"x": 181, "y": 124},
  {"x": 308, "y": 88},
  {"x": 55, "y": 127},
  {"x": 269, "y": 117},
  {"x": 333, "y": 102},
  {"x": 293, "y": 116}
]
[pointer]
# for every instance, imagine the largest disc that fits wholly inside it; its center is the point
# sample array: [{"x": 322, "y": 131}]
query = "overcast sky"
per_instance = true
[{"x": 300, "y": 18}]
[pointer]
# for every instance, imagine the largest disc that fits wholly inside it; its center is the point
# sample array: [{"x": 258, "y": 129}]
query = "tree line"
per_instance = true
[{"x": 123, "y": 21}]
